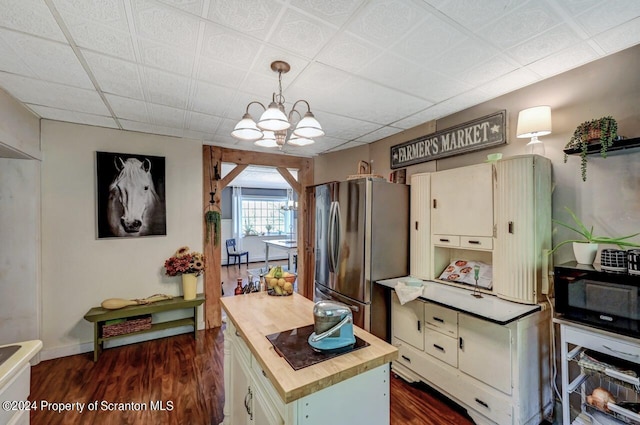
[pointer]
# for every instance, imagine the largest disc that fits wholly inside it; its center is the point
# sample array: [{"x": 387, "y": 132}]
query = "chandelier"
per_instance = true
[
  {"x": 273, "y": 127},
  {"x": 290, "y": 205}
]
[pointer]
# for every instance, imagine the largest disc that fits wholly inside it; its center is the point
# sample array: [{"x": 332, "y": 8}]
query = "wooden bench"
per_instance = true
[{"x": 98, "y": 316}]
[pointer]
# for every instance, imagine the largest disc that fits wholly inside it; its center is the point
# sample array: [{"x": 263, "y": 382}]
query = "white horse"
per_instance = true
[{"x": 133, "y": 207}]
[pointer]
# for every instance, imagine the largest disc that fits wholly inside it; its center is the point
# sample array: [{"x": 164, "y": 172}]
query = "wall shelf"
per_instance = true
[{"x": 617, "y": 145}]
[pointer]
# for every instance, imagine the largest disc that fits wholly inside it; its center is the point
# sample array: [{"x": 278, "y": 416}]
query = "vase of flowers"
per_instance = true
[{"x": 189, "y": 265}]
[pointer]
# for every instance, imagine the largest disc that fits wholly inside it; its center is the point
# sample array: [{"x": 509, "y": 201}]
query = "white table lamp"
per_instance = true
[{"x": 534, "y": 122}]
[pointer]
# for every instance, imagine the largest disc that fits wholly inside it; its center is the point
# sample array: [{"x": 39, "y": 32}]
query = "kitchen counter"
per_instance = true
[
  {"x": 257, "y": 315},
  {"x": 15, "y": 373},
  {"x": 489, "y": 307}
]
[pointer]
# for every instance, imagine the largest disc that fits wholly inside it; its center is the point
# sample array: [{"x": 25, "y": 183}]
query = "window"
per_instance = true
[{"x": 263, "y": 216}]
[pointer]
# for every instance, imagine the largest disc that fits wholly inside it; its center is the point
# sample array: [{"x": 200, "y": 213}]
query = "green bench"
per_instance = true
[{"x": 99, "y": 316}]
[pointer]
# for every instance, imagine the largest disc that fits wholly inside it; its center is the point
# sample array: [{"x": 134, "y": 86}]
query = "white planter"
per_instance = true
[{"x": 585, "y": 253}]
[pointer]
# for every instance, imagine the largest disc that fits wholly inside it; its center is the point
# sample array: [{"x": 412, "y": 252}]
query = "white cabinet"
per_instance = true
[
  {"x": 420, "y": 226},
  {"x": 498, "y": 372},
  {"x": 407, "y": 321},
  {"x": 581, "y": 345},
  {"x": 461, "y": 202},
  {"x": 523, "y": 228}
]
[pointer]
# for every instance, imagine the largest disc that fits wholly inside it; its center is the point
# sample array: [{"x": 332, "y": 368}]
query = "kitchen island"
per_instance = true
[{"x": 261, "y": 387}]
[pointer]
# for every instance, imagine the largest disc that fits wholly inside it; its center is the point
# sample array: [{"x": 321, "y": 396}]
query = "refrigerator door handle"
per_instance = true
[
  {"x": 338, "y": 237},
  {"x": 330, "y": 237}
]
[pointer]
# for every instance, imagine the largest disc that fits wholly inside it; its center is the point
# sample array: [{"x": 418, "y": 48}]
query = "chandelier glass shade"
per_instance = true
[{"x": 274, "y": 124}]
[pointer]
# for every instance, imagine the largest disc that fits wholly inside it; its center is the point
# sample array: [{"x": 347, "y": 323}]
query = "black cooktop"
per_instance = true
[{"x": 292, "y": 345}]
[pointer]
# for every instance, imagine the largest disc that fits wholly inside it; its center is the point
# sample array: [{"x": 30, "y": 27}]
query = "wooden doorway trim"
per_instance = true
[{"x": 213, "y": 157}]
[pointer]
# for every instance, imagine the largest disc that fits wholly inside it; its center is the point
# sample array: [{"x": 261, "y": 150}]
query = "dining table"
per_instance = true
[{"x": 288, "y": 245}]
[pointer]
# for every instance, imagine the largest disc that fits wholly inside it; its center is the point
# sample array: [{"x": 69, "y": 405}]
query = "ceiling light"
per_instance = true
[
  {"x": 272, "y": 128},
  {"x": 534, "y": 122}
]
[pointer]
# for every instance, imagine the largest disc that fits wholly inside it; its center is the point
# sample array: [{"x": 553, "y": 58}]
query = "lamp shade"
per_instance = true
[
  {"x": 308, "y": 127},
  {"x": 534, "y": 121},
  {"x": 267, "y": 141},
  {"x": 246, "y": 129},
  {"x": 273, "y": 119},
  {"x": 299, "y": 141}
]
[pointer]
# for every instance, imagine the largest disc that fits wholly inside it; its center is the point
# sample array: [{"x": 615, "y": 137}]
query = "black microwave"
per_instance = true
[{"x": 597, "y": 297}]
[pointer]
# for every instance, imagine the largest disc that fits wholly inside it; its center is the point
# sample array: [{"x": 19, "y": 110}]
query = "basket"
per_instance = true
[{"x": 126, "y": 326}]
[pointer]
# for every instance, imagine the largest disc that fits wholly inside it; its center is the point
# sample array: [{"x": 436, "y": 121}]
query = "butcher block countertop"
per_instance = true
[{"x": 257, "y": 315}]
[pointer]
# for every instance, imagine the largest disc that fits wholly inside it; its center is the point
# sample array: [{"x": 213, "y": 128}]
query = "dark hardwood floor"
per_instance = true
[{"x": 187, "y": 376}]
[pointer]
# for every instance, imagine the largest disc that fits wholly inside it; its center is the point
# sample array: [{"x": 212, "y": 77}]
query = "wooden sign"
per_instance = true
[{"x": 474, "y": 135}]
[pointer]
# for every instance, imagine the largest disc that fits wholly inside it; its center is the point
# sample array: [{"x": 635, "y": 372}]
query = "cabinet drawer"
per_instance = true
[
  {"x": 487, "y": 402},
  {"x": 603, "y": 344},
  {"x": 415, "y": 360},
  {"x": 441, "y": 319},
  {"x": 446, "y": 240},
  {"x": 269, "y": 391},
  {"x": 478, "y": 242},
  {"x": 239, "y": 343},
  {"x": 441, "y": 347}
]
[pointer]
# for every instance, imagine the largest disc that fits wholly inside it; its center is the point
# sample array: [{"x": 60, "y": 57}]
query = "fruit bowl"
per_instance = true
[{"x": 273, "y": 292}]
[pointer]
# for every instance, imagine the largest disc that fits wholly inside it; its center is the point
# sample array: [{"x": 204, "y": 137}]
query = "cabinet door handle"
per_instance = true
[
  {"x": 419, "y": 327},
  {"x": 437, "y": 319},
  {"x": 435, "y": 204},
  {"x": 474, "y": 242},
  {"x": 437, "y": 347},
  {"x": 461, "y": 343},
  {"x": 444, "y": 240},
  {"x": 482, "y": 403},
  {"x": 511, "y": 227},
  {"x": 406, "y": 358},
  {"x": 621, "y": 352},
  {"x": 416, "y": 225},
  {"x": 247, "y": 403}
]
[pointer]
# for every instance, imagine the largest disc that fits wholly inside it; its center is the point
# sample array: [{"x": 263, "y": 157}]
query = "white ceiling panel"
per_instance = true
[{"x": 368, "y": 68}]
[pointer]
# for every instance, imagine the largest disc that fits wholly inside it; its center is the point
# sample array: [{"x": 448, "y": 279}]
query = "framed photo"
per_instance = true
[{"x": 130, "y": 195}]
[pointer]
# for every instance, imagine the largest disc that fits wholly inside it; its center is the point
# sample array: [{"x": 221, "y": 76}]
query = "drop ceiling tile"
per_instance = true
[
  {"x": 150, "y": 128},
  {"x": 575, "y": 7},
  {"x": 30, "y": 16},
  {"x": 164, "y": 88},
  {"x": 344, "y": 128},
  {"x": 608, "y": 15},
  {"x": 220, "y": 73},
  {"x": 346, "y": 145},
  {"x": 319, "y": 82},
  {"x": 166, "y": 116},
  {"x": 254, "y": 17},
  {"x": 128, "y": 109},
  {"x": 348, "y": 53},
  {"x": 378, "y": 134},
  {"x": 196, "y": 135},
  {"x": 234, "y": 48},
  {"x": 301, "y": 34},
  {"x": 10, "y": 61},
  {"x": 523, "y": 23},
  {"x": 99, "y": 38},
  {"x": 167, "y": 58},
  {"x": 429, "y": 39},
  {"x": 203, "y": 122},
  {"x": 73, "y": 117},
  {"x": 336, "y": 12},
  {"x": 462, "y": 57},
  {"x": 49, "y": 60},
  {"x": 54, "y": 95},
  {"x": 545, "y": 44},
  {"x": 110, "y": 13},
  {"x": 164, "y": 24},
  {"x": 564, "y": 60},
  {"x": 487, "y": 71},
  {"x": 620, "y": 37},
  {"x": 384, "y": 22},
  {"x": 114, "y": 75},
  {"x": 475, "y": 14},
  {"x": 514, "y": 80},
  {"x": 211, "y": 99},
  {"x": 194, "y": 7}
]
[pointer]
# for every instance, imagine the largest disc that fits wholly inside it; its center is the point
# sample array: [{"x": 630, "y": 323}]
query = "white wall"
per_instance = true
[
  {"x": 19, "y": 222},
  {"x": 78, "y": 270}
]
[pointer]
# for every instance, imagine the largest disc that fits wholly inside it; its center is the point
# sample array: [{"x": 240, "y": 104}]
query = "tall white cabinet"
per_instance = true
[{"x": 420, "y": 226}]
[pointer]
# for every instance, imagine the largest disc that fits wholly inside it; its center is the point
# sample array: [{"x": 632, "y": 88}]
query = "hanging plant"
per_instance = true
[
  {"x": 603, "y": 130},
  {"x": 212, "y": 219}
]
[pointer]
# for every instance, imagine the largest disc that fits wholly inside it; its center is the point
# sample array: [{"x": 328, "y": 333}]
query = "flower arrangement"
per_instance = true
[{"x": 185, "y": 261}]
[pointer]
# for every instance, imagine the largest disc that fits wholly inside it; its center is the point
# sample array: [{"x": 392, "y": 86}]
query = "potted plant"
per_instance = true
[
  {"x": 602, "y": 130},
  {"x": 212, "y": 220},
  {"x": 586, "y": 248}
]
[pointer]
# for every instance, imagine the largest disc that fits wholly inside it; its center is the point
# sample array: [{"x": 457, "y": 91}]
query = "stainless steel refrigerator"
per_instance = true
[{"x": 361, "y": 237}]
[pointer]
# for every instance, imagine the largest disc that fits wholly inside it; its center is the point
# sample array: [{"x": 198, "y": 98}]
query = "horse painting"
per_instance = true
[{"x": 133, "y": 207}]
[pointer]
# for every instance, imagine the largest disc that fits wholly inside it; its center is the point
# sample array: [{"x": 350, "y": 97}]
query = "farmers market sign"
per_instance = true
[{"x": 471, "y": 136}]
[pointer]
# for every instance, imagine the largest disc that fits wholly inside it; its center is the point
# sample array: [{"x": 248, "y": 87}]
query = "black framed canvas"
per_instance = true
[{"x": 130, "y": 195}]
